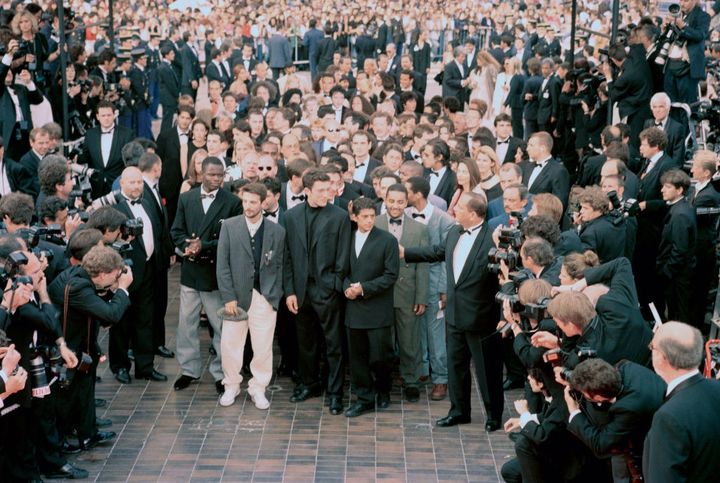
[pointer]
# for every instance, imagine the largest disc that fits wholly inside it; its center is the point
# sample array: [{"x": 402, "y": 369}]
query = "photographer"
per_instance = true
[
  {"x": 544, "y": 221},
  {"x": 615, "y": 412},
  {"x": 109, "y": 221},
  {"x": 616, "y": 184},
  {"x": 599, "y": 231},
  {"x": 629, "y": 88},
  {"x": 96, "y": 290},
  {"x": 55, "y": 178}
]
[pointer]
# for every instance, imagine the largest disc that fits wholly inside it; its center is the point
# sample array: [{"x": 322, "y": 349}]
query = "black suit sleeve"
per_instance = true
[
  {"x": 603, "y": 440},
  {"x": 84, "y": 299},
  {"x": 389, "y": 276},
  {"x": 342, "y": 253},
  {"x": 43, "y": 319},
  {"x": 668, "y": 442},
  {"x": 561, "y": 184},
  {"x": 617, "y": 275},
  {"x": 682, "y": 227},
  {"x": 551, "y": 423},
  {"x": 178, "y": 233},
  {"x": 430, "y": 254}
]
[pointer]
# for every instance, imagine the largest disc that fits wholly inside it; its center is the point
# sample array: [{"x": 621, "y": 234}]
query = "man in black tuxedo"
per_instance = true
[
  {"x": 682, "y": 442},
  {"x": 676, "y": 251},
  {"x": 151, "y": 167},
  {"x": 631, "y": 88},
  {"x": 14, "y": 130},
  {"x": 599, "y": 231},
  {"x": 436, "y": 161},
  {"x": 369, "y": 312},
  {"x": 549, "y": 97},
  {"x": 39, "y": 143},
  {"x": 14, "y": 177},
  {"x": 173, "y": 148},
  {"x": 675, "y": 132},
  {"x": 544, "y": 174},
  {"x": 326, "y": 48},
  {"x": 168, "y": 85},
  {"x": 455, "y": 77},
  {"x": 147, "y": 248},
  {"x": 318, "y": 264},
  {"x": 191, "y": 71},
  {"x": 195, "y": 233},
  {"x": 102, "y": 150},
  {"x": 215, "y": 70},
  {"x": 531, "y": 96},
  {"x": 507, "y": 145},
  {"x": 471, "y": 312},
  {"x": 588, "y": 172},
  {"x": 364, "y": 163}
]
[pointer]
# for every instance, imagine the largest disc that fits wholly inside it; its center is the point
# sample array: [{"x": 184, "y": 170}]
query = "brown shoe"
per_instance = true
[
  {"x": 424, "y": 378},
  {"x": 439, "y": 392}
]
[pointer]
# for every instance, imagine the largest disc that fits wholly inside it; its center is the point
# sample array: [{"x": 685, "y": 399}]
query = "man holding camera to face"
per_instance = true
[{"x": 94, "y": 291}]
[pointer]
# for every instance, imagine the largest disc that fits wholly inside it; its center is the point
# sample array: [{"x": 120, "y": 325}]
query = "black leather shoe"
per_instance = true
[
  {"x": 67, "y": 472},
  {"x": 336, "y": 406},
  {"x": 98, "y": 438},
  {"x": 412, "y": 394},
  {"x": 492, "y": 425},
  {"x": 100, "y": 403},
  {"x": 163, "y": 351},
  {"x": 103, "y": 423},
  {"x": 153, "y": 376},
  {"x": 448, "y": 421},
  {"x": 359, "y": 408},
  {"x": 183, "y": 382},
  {"x": 69, "y": 448},
  {"x": 303, "y": 393},
  {"x": 122, "y": 376},
  {"x": 383, "y": 400},
  {"x": 219, "y": 387},
  {"x": 510, "y": 384}
]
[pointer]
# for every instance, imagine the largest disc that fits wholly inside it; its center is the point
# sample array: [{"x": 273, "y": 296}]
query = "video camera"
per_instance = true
[
  {"x": 123, "y": 248},
  {"x": 670, "y": 35}
]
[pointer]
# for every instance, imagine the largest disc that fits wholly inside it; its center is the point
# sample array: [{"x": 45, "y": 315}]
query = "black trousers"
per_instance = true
[
  {"x": 370, "y": 351},
  {"x": 76, "y": 407},
  {"x": 677, "y": 294},
  {"x": 462, "y": 346},
  {"x": 516, "y": 116},
  {"x": 19, "y": 452},
  {"x": 326, "y": 313},
  {"x": 514, "y": 370},
  {"x": 287, "y": 337},
  {"x": 45, "y": 436},
  {"x": 704, "y": 277},
  {"x": 136, "y": 328}
]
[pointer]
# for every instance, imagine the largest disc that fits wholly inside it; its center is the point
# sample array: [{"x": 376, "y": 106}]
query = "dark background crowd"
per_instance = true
[{"x": 368, "y": 189}]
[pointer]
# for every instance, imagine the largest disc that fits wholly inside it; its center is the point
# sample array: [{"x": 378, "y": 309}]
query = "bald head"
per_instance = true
[
  {"x": 131, "y": 182},
  {"x": 680, "y": 345}
]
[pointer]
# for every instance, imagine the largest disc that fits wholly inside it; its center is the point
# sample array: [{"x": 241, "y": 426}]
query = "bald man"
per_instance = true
[
  {"x": 148, "y": 248},
  {"x": 683, "y": 444}
]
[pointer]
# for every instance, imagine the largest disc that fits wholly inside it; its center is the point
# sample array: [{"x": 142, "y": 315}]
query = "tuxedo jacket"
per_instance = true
[
  {"x": 413, "y": 278},
  {"x": 329, "y": 248},
  {"x": 190, "y": 69},
  {"x": 451, "y": 83},
  {"x": 7, "y": 107},
  {"x": 236, "y": 266},
  {"x": 682, "y": 442},
  {"x": 171, "y": 178},
  {"x": 675, "y": 140},
  {"x": 676, "y": 252},
  {"x": 532, "y": 86},
  {"x": 326, "y": 48},
  {"x": 190, "y": 221},
  {"x": 20, "y": 179},
  {"x": 513, "y": 145},
  {"x": 213, "y": 72},
  {"x": 695, "y": 33},
  {"x": 447, "y": 185},
  {"x": 471, "y": 302},
  {"x": 514, "y": 99},
  {"x": 708, "y": 197},
  {"x": 553, "y": 178},
  {"x": 92, "y": 156},
  {"x": 632, "y": 89},
  {"x": 169, "y": 84},
  {"x": 549, "y": 100},
  {"x": 376, "y": 269}
]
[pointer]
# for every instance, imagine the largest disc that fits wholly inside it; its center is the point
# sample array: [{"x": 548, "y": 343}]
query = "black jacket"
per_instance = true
[
  {"x": 632, "y": 89},
  {"x": 169, "y": 84},
  {"x": 7, "y": 107},
  {"x": 605, "y": 237},
  {"x": 515, "y": 99},
  {"x": 92, "y": 156},
  {"x": 554, "y": 179},
  {"x": 447, "y": 185},
  {"x": 326, "y": 48},
  {"x": 549, "y": 100},
  {"x": 675, "y": 140},
  {"x": 376, "y": 269},
  {"x": 676, "y": 252},
  {"x": 451, "y": 83},
  {"x": 20, "y": 179},
  {"x": 532, "y": 86}
]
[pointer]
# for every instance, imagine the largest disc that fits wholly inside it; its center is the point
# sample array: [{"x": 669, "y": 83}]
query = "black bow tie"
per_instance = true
[
  {"x": 136, "y": 202},
  {"x": 418, "y": 215},
  {"x": 209, "y": 195},
  {"x": 298, "y": 197},
  {"x": 107, "y": 132},
  {"x": 183, "y": 134},
  {"x": 416, "y": 156},
  {"x": 507, "y": 141},
  {"x": 435, "y": 173},
  {"x": 270, "y": 213},
  {"x": 395, "y": 221},
  {"x": 469, "y": 232},
  {"x": 658, "y": 124}
]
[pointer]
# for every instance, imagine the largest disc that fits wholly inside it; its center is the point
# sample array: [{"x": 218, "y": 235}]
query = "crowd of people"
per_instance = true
[{"x": 540, "y": 217}]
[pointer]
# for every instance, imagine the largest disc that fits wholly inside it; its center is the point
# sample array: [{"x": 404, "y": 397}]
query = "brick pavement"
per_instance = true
[{"x": 171, "y": 436}]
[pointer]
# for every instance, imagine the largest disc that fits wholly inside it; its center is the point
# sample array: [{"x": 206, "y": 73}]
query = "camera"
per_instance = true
[
  {"x": 509, "y": 291},
  {"x": 50, "y": 233},
  {"x": 536, "y": 311},
  {"x": 583, "y": 353},
  {"x": 10, "y": 270},
  {"x": 110, "y": 199},
  {"x": 48, "y": 254},
  {"x": 132, "y": 227},
  {"x": 84, "y": 216},
  {"x": 511, "y": 237},
  {"x": 496, "y": 255},
  {"x": 37, "y": 373},
  {"x": 623, "y": 209},
  {"x": 669, "y": 36},
  {"x": 123, "y": 248}
]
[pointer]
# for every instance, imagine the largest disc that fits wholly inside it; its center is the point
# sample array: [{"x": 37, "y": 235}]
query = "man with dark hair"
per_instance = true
[
  {"x": 191, "y": 72},
  {"x": 55, "y": 178},
  {"x": 108, "y": 220},
  {"x": 195, "y": 233},
  {"x": 174, "y": 150},
  {"x": 614, "y": 415},
  {"x": 318, "y": 263},
  {"x": 600, "y": 232},
  {"x": 436, "y": 161},
  {"x": 169, "y": 85}
]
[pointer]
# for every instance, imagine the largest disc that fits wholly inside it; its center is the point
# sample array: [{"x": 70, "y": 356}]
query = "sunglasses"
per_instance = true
[{"x": 264, "y": 168}]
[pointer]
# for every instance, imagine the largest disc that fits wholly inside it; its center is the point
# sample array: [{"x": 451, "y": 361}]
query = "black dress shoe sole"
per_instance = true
[
  {"x": 167, "y": 355},
  {"x": 444, "y": 423},
  {"x": 300, "y": 397},
  {"x": 492, "y": 426}
]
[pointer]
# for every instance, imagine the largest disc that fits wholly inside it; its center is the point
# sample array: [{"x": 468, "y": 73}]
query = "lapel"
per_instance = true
[
  {"x": 473, "y": 252},
  {"x": 684, "y": 385},
  {"x": 212, "y": 212},
  {"x": 443, "y": 181},
  {"x": 365, "y": 245},
  {"x": 116, "y": 147},
  {"x": 244, "y": 236},
  {"x": 382, "y": 222},
  {"x": 94, "y": 145},
  {"x": 543, "y": 174},
  {"x": 407, "y": 237},
  {"x": 268, "y": 240},
  {"x": 302, "y": 229}
]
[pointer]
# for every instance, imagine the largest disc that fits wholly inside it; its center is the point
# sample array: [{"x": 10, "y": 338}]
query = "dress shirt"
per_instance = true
[
  {"x": 327, "y": 146},
  {"x": 662, "y": 123},
  {"x": 183, "y": 136},
  {"x": 462, "y": 250},
  {"x": 428, "y": 211},
  {"x": 395, "y": 229},
  {"x": 544, "y": 83},
  {"x": 206, "y": 202},
  {"x": 679, "y": 380},
  {"x": 4, "y": 181},
  {"x": 254, "y": 227},
  {"x": 361, "y": 172},
  {"x": 338, "y": 114},
  {"x": 460, "y": 68},
  {"x": 16, "y": 103},
  {"x": 435, "y": 177},
  {"x": 502, "y": 149},
  {"x": 360, "y": 239},
  {"x": 652, "y": 162},
  {"x": 699, "y": 187},
  {"x": 536, "y": 170},
  {"x": 138, "y": 211},
  {"x": 106, "y": 140},
  {"x": 291, "y": 203}
]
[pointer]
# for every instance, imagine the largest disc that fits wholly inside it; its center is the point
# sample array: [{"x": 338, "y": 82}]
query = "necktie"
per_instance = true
[
  {"x": 507, "y": 141},
  {"x": 359, "y": 165},
  {"x": 298, "y": 197},
  {"x": 395, "y": 221},
  {"x": 418, "y": 215},
  {"x": 208, "y": 196}
]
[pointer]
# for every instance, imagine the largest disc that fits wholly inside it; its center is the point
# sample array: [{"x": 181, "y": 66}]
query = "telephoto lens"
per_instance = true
[{"x": 38, "y": 376}]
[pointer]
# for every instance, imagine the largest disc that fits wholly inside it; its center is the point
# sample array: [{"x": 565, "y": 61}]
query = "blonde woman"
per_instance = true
[
  {"x": 482, "y": 79},
  {"x": 511, "y": 67},
  {"x": 193, "y": 177},
  {"x": 488, "y": 167}
]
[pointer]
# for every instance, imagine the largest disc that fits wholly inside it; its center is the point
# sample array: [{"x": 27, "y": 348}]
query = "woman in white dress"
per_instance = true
[
  {"x": 482, "y": 79},
  {"x": 502, "y": 87}
]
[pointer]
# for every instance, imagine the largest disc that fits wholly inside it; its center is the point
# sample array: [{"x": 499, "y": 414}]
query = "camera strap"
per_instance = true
[{"x": 66, "y": 306}]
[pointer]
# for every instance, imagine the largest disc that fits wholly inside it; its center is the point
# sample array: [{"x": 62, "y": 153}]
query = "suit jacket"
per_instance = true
[
  {"x": 199, "y": 273},
  {"x": 631, "y": 90},
  {"x": 604, "y": 237},
  {"x": 324, "y": 55},
  {"x": 20, "y": 179},
  {"x": 169, "y": 85},
  {"x": 695, "y": 32},
  {"x": 589, "y": 169},
  {"x": 676, "y": 252},
  {"x": 171, "y": 178},
  {"x": 708, "y": 197},
  {"x": 190, "y": 69},
  {"x": 91, "y": 155},
  {"x": 650, "y": 221},
  {"x": 414, "y": 278},
  {"x": 471, "y": 302},
  {"x": 514, "y": 99},
  {"x": 139, "y": 89},
  {"x": 215, "y": 72},
  {"x": 7, "y": 107},
  {"x": 553, "y": 178},
  {"x": 676, "y": 140},
  {"x": 166, "y": 249},
  {"x": 279, "y": 52},
  {"x": 235, "y": 263},
  {"x": 451, "y": 83},
  {"x": 513, "y": 145},
  {"x": 692, "y": 452},
  {"x": 365, "y": 47},
  {"x": 447, "y": 185},
  {"x": 532, "y": 86},
  {"x": 376, "y": 269},
  {"x": 438, "y": 227},
  {"x": 330, "y": 249},
  {"x": 549, "y": 101}
]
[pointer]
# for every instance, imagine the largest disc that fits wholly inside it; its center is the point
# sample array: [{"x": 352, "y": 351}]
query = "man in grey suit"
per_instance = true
[
  {"x": 432, "y": 323},
  {"x": 411, "y": 288},
  {"x": 279, "y": 55},
  {"x": 249, "y": 272}
]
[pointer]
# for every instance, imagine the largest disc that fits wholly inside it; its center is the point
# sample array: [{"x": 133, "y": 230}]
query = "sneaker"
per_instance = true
[
  {"x": 259, "y": 399},
  {"x": 231, "y": 392}
]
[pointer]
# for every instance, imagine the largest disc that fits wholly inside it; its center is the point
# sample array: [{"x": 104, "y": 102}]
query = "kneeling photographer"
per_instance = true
[
  {"x": 94, "y": 291},
  {"x": 36, "y": 331},
  {"x": 611, "y": 409},
  {"x": 600, "y": 231}
]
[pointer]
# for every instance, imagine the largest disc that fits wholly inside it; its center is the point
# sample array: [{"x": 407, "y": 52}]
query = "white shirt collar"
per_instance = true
[
  {"x": 679, "y": 380},
  {"x": 202, "y": 191},
  {"x": 440, "y": 172},
  {"x": 657, "y": 156},
  {"x": 701, "y": 185}
]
